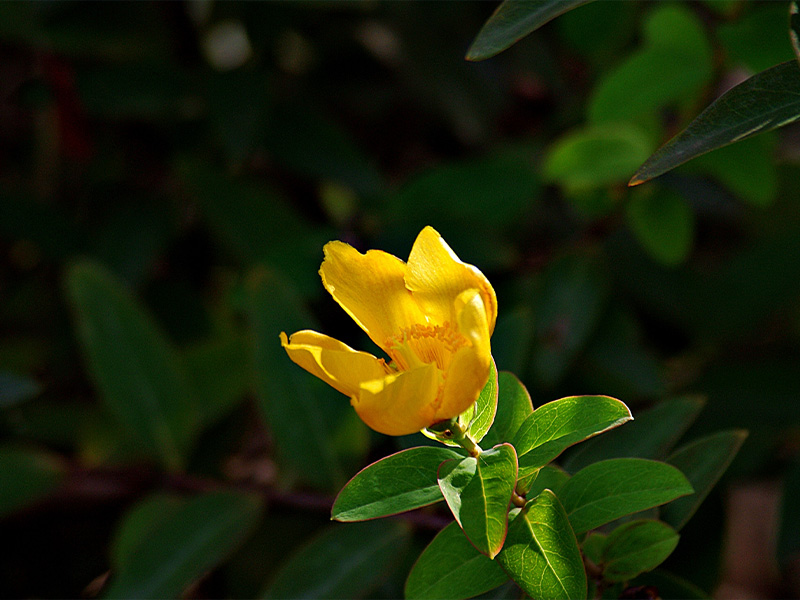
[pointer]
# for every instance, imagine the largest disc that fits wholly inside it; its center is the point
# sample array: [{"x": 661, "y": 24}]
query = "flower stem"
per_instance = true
[{"x": 461, "y": 437}]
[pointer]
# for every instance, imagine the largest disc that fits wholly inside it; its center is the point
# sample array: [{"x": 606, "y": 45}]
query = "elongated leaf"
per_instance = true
[
  {"x": 636, "y": 547},
  {"x": 478, "y": 491},
  {"x": 485, "y": 408},
  {"x": 451, "y": 568},
  {"x": 345, "y": 561},
  {"x": 513, "y": 407},
  {"x": 766, "y": 101},
  {"x": 400, "y": 482},
  {"x": 137, "y": 371},
  {"x": 651, "y": 435},
  {"x": 557, "y": 425},
  {"x": 200, "y": 535},
  {"x": 512, "y": 21},
  {"x": 541, "y": 553},
  {"x": 611, "y": 489},
  {"x": 304, "y": 415},
  {"x": 703, "y": 462},
  {"x": 25, "y": 477}
]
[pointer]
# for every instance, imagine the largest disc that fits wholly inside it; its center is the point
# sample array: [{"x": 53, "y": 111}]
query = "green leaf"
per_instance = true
[
  {"x": 512, "y": 21},
  {"x": 703, "y": 462},
  {"x": 663, "y": 223},
  {"x": 651, "y": 434},
  {"x": 766, "y": 101},
  {"x": 668, "y": 584},
  {"x": 557, "y": 425},
  {"x": 513, "y": 407},
  {"x": 568, "y": 308},
  {"x": 673, "y": 65},
  {"x": 451, "y": 568},
  {"x": 636, "y": 547},
  {"x": 172, "y": 554},
  {"x": 344, "y": 561},
  {"x": 789, "y": 522},
  {"x": 16, "y": 388},
  {"x": 541, "y": 553},
  {"x": 757, "y": 38},
  {"x": 136, "y": 369},
  {"x": 478, "y": 491},
  {"x": 596, "y": 156},
  {"x": 304, "y": 415},
  {"x": 485, "y": 408},
  {"x": 26, "y": 476},
  {"x": 140, "y": 522},
  {"x": 400, "y": 482},
  {"x": 547, "y": 478},
  {"x": 610, "y": 489}
]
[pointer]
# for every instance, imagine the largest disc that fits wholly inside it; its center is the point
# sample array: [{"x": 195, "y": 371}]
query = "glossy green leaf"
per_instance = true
[
  {"x": 485, "y": 408},
  {"x": 636, "y": 547},
  {"x": 789, "y": 521},
  {"x": 596, "y": 156},
  {"x": 557, "y": 425},
  {"x": 170, "y": 556},
  {"x": 400, "y": 482},
  {"x": 16, "y": 388},
  {"x": 26, "y": 476},
  {"x": 663, "y": 223},
  {"x": 513, "y": 407},
  {"x": 610, "y": 489},
  {"x": 703, "y": 462},
  {"x": 651, "y": 434},
  {"x": 765, "y": 101},
  {"x": 478, "y": 491},
  {"x": 512, "y": 21},
  {"x": 344, "y": 561},
  {"x": 451, "y": 568},
  {"x": 568, "y": 308},
  {"x": 541, "y": 553},
  {"x": 673, "y": 65},
  {"x": 306, "y": 427},
  {"x": 136, "y": 369}
]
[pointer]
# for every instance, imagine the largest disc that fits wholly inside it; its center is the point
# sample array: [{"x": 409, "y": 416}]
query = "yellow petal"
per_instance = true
[
  {"x": 469, "y": 367},
  {"x": 402, "y": 403},
  {"x": 436, "y": 276},
  {"x": 370, "y": 288},
  {"x": 337, "y": 364}
]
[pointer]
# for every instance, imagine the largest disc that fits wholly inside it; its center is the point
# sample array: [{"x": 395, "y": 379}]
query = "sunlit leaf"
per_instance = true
[
  {"x": 766, "y": 101},
  {"x": 485, "y": 407},
  {"x": 513, "y": 407}
]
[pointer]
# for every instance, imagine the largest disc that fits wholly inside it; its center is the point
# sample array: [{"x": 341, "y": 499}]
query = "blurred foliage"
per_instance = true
[{"x": 169, "y": 173}]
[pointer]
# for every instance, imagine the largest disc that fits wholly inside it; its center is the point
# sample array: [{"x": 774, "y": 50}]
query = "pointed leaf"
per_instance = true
[
  {"x": 651, "y": 435},
  {"x": 513, "y": 407},
  {"x": 400, "y": 482},
  {"x": 26, "y": 476},
  {"x": 451, "y": 568},
  {"x": 485, "y": 408},
  {"x": 703, "y": 462},
  {"x": 478, "y": 491},
  {"x": 766, "y": 101},
  {"x": 611, "y": 489},
  {"x": 344, "y": 561},
  {"x": 200, "y": 535},
  {"x": 636, "y": 547},
  {"x": 136, "y": 369},
  {"x": 512, "y": 21},
  {"x": 557, "y": 425},
  {"x": 541, "y": 553}
]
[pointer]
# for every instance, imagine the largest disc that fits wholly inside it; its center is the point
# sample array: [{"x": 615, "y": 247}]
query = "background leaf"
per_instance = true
[
  {"x": 541, "y": 553},
  {"x": 344, "y": 561},
  {"x": 451, "y": 567},
  {"x": 635, "y": 547},
  {"x": 26, "y": 476},
  {"x": 400, "y": 482},
  {"x": 663, "y": 223}
]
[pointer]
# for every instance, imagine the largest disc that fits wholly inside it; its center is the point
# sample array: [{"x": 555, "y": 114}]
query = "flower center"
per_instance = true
[{"x": 424, "y": 344}]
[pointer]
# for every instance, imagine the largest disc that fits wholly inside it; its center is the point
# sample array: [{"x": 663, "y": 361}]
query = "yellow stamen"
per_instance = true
[{"x": 423, "y": 344}]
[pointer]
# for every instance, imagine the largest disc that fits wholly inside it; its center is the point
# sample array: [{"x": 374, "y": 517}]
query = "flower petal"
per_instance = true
[
  {"x": 436, "y": 276},
  {"x": 370, "y": 288},
  {"x": 401, "y": 403},
  {"x": 337, "y": 364},
  {"x": 469, "y": 367}
]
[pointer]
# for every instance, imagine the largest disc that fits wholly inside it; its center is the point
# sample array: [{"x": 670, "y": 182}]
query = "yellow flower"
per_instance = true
[{"x": 433, "y": 316}]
